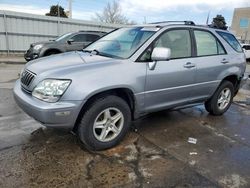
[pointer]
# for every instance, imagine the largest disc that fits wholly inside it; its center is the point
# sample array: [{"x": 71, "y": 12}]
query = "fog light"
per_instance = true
[{"x": 66, "y": 113}]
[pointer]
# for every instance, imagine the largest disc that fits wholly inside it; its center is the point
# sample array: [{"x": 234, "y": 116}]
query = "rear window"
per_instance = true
[{"x": 231, "y": 40}]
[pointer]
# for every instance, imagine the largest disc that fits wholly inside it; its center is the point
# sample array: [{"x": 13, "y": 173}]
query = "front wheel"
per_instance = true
[
  {"x": 221, "y": 100},
  {"x": 105, "y": 123}
]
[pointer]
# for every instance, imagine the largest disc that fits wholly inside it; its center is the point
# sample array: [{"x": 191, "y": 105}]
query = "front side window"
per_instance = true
[
  {"x": 63, "y": 37},
  {"x": 178, "y": 41},
  {"x": 231, "y": 40},
  {"x": 79, "y": 38},
  {"x": 207, "y": 44},
  {"x": 123, "y": 42},
  {"x": 91, "y": 37}
]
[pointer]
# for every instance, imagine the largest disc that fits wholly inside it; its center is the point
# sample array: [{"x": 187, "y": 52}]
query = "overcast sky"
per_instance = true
[{"x": 137, "y": 10}]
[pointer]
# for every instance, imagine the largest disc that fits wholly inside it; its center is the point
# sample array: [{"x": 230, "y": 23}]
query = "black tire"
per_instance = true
[
  {"x": 86, "y": 125},
  {"x": 212, "y": 105}
]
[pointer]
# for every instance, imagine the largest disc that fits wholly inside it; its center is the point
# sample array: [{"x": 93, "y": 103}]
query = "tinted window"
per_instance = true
[
  {"x": 79, "y": 38},
  {"x": 207, "y": 44},
  {"x": 178, "y": 41},
  {"x": 231, "y": 40},
  {"x": 246, "y": 47},
  {"x": 91, "y": 37}
]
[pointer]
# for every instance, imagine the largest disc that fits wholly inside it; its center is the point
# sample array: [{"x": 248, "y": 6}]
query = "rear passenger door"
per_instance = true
[{"x": 211, "y": 59}]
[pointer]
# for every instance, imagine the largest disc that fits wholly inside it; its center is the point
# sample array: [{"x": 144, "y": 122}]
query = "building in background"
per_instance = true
[{"x": 241, "y": 24}]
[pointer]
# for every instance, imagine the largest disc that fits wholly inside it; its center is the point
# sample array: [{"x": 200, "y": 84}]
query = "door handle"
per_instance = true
[
  {"x": 224, "y": 61},
  {"x": 189, "y": 65}
]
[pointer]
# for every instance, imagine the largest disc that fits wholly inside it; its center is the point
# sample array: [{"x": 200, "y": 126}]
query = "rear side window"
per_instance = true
[
  {"x": 91, "y": 37},
  {"x": 207, "y": 44},
  {"x": 231, "y": 40}
]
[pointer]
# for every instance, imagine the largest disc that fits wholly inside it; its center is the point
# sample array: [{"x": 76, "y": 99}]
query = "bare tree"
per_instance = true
[{"x": 112, "y": 13}]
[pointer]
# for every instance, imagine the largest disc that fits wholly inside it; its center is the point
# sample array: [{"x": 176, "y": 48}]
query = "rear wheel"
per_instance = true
[
  {"x": 221, "y": 100},
  {"x": 105, "y": 123}
]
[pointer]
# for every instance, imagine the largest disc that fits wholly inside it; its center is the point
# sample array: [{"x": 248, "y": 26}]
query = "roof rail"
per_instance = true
[
  {"x": 173, "y": 22},
  {"x": 92, "y": 31}
]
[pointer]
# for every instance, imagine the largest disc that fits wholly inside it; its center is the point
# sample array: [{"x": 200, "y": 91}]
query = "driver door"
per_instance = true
[{"x": 170, "y": 82}]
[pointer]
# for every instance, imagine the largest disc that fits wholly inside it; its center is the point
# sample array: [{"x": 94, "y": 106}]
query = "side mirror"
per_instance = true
[
  {"x": 161, "y": 54},
  {"x": 70, "y": 41}
]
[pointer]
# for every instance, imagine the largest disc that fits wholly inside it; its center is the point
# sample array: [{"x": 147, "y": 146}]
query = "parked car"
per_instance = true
[
  {"x": 131, "y": 72},
  {"x": 67, "y": 42},
  {"x": 246, "y": 48}
]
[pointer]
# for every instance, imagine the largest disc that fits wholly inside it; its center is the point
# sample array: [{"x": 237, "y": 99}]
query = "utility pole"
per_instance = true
[
  {"x": 70, "y": 8},
  {"x": 58, "y": 10},
  {"x": 58, "y": 20}
]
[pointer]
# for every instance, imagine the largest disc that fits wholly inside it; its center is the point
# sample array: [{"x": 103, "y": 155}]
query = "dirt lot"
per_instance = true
[{"x": 155, "y": 153}]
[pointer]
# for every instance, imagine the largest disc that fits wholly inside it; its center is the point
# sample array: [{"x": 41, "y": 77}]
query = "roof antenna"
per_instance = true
[{"x": 208, "y": 18}]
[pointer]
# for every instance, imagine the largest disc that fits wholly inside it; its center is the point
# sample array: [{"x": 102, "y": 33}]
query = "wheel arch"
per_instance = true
[
  {"x": 235, "y": 80},
  {"x": 125, "y": 93}
]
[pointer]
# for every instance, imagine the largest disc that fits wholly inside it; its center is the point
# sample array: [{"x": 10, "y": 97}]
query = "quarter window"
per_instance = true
[
  {"x": 231, "y": 40},
  {"x": 178, "y": 41},
  {"x": 207, "y": 44}
]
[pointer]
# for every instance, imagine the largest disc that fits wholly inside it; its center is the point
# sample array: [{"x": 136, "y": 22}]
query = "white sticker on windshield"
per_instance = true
[{"x": 150, "y": 29}]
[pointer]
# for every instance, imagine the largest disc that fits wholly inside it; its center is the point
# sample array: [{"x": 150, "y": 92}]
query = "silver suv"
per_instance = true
[{"x": 131, "y": 72}]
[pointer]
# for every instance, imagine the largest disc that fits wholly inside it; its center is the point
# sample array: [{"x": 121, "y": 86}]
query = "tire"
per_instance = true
[
  {"x": 221, "y": 100},
  {"x": 97, "y": 119}
]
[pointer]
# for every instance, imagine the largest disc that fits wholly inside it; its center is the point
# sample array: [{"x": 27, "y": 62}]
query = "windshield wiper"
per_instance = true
[
  {"x": 96, "y": 52},
  {"x": 89, "y": 51}
]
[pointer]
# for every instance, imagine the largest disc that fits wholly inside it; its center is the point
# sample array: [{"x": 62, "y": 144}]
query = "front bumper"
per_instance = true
[
  {"x": 30, "y": 55},
  {"x": 62, "y": 114}
]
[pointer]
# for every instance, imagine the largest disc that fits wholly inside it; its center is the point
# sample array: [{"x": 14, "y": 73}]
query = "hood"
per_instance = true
[
  {"x": 64, "y": 61},
  {"x": 42, "y": 43}
]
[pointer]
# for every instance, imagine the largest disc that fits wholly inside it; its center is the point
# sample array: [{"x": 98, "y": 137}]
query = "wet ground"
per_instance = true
[{"x": 155, "y": 153}]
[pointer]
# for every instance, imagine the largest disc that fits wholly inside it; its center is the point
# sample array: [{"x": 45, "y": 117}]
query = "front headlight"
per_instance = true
[
  {"x": 50, "y": 90},
  {"x": 38, "y": 47}
]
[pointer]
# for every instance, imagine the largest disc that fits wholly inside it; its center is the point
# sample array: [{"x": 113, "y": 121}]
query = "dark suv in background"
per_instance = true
[{"x": 67, "y": 42}]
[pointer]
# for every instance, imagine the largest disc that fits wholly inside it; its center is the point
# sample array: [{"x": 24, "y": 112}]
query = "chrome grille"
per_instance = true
[{"x": 27, "y": 77}]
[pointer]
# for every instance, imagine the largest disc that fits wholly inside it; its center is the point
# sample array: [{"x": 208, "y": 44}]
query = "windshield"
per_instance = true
[
  {"x": 63, "y": 36},
  {"x": 123, "y": 42}
]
